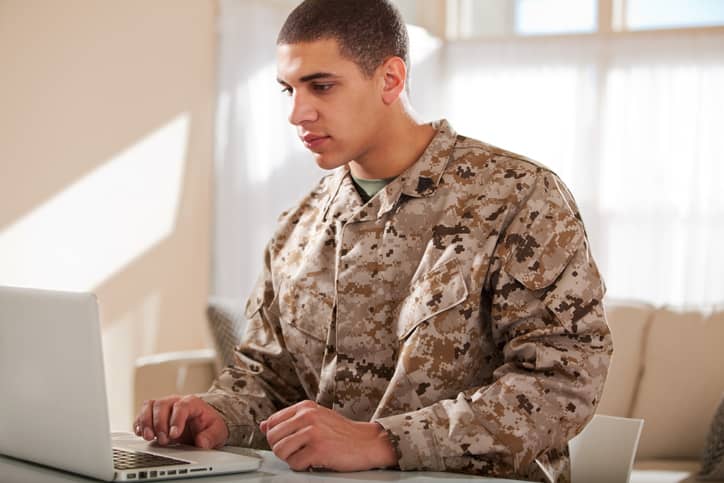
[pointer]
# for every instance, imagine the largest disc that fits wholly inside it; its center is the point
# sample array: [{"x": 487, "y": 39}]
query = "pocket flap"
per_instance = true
[
  {"x": 540, "y": 252},
  {"x": 435, "y": 292},
  {"x": 256, "y": 298},
  {"x": 306, "y": 309}
]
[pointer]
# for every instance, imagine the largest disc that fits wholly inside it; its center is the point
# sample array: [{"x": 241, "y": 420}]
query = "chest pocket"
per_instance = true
[
  {"x": 306, "y": 309},
  {"x": 435, "y": 292}
]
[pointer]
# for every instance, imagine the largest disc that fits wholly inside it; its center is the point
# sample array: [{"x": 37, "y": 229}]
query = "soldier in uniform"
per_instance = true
[{"x": 431, "y": 304}]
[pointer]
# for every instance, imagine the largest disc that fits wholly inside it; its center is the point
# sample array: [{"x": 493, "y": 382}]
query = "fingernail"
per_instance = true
[
  {"x": 138, "y": 430},
  {"x": 162, "y": 439},
  {"x": 147, "y": 434},
  {"x": 174, "y": 432},
  {"x": 203, "y": 443}
]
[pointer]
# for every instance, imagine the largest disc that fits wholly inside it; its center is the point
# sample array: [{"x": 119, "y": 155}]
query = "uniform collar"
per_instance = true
[{"x": 421, "y": 179}]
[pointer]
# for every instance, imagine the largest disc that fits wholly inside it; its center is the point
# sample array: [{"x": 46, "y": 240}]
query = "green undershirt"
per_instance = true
[{"x": 367, "y": 188}]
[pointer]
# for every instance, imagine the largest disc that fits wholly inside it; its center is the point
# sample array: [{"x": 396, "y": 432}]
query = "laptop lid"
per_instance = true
[{"x": 54, "y": 409}]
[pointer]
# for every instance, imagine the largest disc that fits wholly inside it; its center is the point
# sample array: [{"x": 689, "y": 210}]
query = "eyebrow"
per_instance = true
[{"x": 311, "y": 77}]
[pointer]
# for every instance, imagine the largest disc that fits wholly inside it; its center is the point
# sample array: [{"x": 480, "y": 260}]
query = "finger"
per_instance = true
[
  {"x": 137, "y": 425},
  {"x": 161, "y": 410},
  {"x": 146, "y": 420},
  {"x": 178, "y": 418},
  {"x": 302, "y": 419},
  {"x": 293, "y": 443},
  {"x": 287, "y": 413},
  {"x": 302, "y": 460}
]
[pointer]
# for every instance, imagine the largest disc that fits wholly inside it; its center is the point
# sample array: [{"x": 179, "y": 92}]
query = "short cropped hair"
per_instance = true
[{"x": 368, "y": 32}]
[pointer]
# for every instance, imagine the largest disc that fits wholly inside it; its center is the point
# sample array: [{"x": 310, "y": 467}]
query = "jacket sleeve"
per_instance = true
[
  {"x": 542, "y": 302},
  {"x": 263, "y": 379}
]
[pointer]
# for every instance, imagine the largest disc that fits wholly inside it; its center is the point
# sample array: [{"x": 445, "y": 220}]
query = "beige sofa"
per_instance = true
[{"x": 667, "y": 369}]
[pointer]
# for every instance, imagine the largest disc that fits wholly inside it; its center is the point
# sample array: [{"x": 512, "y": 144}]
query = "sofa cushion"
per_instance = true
[
  {"x": 665, "y": 471},
  {"x": 681, "y": 383},
  {"x": 627, "y": 321},
  {"x": 679, "y": 466},
  {"x": 226, "y": 323},
  {"x": 712, "y": 463}
]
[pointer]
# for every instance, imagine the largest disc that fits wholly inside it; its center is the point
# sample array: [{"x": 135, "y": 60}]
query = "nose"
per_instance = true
[{"x": 302, "y": 110}]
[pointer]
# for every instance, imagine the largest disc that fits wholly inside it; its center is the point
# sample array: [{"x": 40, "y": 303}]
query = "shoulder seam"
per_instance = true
[{"x": 495, "y": 153}]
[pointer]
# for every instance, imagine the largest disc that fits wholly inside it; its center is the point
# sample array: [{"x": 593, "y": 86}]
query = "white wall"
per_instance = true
[{"x": 105, "y": 166}]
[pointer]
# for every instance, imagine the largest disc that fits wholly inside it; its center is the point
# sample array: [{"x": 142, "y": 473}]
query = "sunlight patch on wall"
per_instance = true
[{"x": 103, "y": 221}]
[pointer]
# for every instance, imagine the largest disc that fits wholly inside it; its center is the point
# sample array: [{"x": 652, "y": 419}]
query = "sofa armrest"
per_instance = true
[{"x": 185, "y": 372}]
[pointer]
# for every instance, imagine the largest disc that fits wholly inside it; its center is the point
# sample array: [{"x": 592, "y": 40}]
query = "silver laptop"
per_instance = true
[{"x": 53, "y": 408}]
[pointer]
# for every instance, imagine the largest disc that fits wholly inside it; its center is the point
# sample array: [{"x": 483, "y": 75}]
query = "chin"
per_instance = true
[{"x": 328, "y": 162}]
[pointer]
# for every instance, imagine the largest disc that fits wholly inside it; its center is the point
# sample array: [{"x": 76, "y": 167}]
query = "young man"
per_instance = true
[{"x": 431, "y": 304}]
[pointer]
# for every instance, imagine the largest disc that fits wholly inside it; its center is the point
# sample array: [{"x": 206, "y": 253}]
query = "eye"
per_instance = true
[
  {"x": 322, "y": 87},
  {"x": 287, "y": 91}
]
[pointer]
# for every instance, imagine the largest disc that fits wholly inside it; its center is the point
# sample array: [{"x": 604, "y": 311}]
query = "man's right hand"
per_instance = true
[{"x": 181, "y": 419}]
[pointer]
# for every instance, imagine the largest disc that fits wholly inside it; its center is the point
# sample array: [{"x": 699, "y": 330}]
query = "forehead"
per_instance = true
[{"x": 306, "y": 58}]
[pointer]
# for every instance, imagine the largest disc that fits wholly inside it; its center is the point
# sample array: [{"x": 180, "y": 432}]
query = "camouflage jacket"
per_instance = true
[{"x": 460, "y": 308}]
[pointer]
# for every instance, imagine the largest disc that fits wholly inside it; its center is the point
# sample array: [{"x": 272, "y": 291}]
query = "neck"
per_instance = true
[{"x": 401, "y": 142}]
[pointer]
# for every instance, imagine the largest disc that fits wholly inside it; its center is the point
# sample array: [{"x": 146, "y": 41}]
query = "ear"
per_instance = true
[{"x": 394, "y": 74}]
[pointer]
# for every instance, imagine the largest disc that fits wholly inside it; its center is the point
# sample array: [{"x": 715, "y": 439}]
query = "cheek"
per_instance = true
[
  {"x": 360, "y": 108},
  {"x": 354, "y": 123}
]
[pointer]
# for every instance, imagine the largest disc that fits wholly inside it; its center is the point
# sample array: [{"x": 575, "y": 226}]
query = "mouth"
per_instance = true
[{"x": 314, "y": 141}]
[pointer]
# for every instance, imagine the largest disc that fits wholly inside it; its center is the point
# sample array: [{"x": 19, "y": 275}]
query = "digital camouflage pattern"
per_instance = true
[{"x": 460, "y": 308}]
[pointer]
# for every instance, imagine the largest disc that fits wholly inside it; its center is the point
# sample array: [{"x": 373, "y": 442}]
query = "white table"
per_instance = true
[{"x": 272, "y": 470}]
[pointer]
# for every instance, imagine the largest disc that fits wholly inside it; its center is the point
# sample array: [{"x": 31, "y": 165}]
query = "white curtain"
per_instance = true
[
  {"x": 632, "y": 124},
  {"x": 261, "y": 166}
]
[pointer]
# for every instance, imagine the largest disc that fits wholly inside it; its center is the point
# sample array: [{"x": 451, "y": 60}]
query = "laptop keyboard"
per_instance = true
[{"x": 131, "y": 460}]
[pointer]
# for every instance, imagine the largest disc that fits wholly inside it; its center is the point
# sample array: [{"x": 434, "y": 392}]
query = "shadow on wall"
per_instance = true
[{"x": 106, "y": 161}]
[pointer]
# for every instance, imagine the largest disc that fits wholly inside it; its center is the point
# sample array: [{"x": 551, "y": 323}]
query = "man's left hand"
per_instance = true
[{"x": 307, "y": 435}]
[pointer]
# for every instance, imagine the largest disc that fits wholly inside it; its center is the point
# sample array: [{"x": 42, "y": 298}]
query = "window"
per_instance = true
[
  {"x": 655, "y": 14},
  {"x": 510, "y": 18},
  {"x": 555, "y": 16},
  {"x": 475, "y": 18}
]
